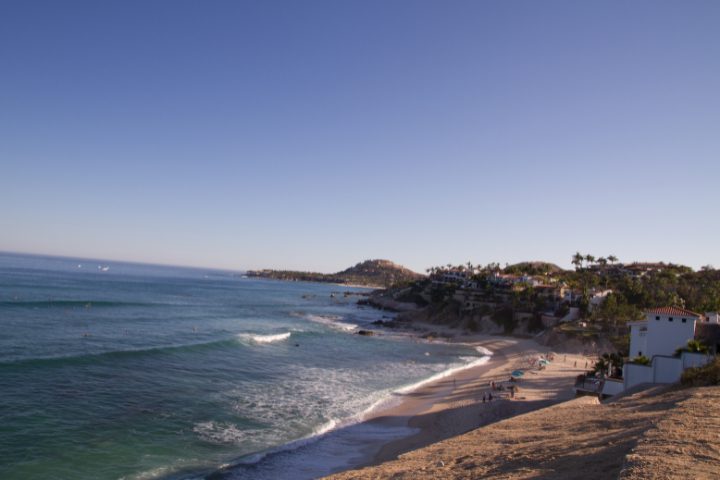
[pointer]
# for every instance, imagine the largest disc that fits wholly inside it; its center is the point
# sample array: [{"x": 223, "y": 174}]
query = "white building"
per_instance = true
[
  {"x": 663, "y": 331},
  {"x": 658, "y": 337}
]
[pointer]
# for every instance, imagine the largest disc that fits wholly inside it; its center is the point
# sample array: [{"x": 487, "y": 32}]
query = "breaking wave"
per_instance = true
[{"x": 256, "y": 338}]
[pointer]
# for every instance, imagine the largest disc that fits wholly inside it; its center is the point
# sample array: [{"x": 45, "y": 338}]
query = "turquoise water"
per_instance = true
[{"x": 136, "y": 371}]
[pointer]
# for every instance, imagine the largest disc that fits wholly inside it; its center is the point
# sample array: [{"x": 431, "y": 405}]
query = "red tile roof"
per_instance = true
[{"x": 673, "y": 311}]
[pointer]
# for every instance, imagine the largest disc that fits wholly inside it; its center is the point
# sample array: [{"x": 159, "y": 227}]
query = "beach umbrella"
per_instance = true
[
  {"x": 517, "y": 373},
  {"x": 544, "y": 362}
]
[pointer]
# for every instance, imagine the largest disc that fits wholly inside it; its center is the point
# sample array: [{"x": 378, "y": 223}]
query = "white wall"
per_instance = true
[
  {"x": 612, "y": 387},
  {"x": 667, "y": 370},
  {"x": 664, "y": 336},
  {"x": 638, "y": 340},
  {"x": 662, "y": 370},
  {"x": 694, "y": 359},
  {"x": 636, "y": 374}
]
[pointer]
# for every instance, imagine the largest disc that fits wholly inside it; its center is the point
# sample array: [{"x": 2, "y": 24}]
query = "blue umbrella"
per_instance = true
[{"x": 517, "y": 373}]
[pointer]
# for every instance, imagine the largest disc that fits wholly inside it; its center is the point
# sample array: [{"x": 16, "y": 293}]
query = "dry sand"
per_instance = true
[{"x": 684, "y": 443}]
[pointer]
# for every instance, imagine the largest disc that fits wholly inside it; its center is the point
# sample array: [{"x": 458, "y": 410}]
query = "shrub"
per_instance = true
[
  {"x": 693, "y": 346},
  {"x": 505, "y": 317},
  {"x": 702, "y": 376},
  {"x": 472, "y": 325},
  {"x": 641, "y": 360}
]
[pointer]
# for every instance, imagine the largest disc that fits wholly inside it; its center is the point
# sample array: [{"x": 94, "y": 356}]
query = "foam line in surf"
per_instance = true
[
  {"x": 332, "y": 322},
  {"x": 445, "y": 373},
  {"x": 387, "y": 400}
]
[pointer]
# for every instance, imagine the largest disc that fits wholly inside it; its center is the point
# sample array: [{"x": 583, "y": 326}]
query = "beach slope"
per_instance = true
[{"x": 661, "y": 429}]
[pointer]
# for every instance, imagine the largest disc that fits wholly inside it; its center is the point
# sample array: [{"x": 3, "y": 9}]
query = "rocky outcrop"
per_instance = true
[
  {"x": 371, "y": 273},
  {"x": 388, "y": 303}
]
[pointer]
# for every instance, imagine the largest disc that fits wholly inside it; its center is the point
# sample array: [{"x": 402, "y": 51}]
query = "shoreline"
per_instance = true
[
  {"x": 445, "y": 405},
  {"x": 453, "y": 404}
]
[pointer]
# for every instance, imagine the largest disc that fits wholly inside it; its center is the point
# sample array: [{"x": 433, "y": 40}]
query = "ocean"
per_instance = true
[{"x": 113, "y": 370}]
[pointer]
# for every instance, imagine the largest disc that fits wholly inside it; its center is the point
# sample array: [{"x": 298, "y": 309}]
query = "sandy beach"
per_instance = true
[{"x": 454, "y": 404}]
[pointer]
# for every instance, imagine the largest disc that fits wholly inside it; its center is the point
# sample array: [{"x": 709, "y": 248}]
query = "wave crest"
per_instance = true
[{"x": 257, "y": 338}]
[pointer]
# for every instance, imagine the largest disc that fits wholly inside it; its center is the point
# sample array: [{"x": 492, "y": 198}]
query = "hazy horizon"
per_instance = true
[
  {"x": 336, "y": 270},
  {"x": 314, "y": 135}
]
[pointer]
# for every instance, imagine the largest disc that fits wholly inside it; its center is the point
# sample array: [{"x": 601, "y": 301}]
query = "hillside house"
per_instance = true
[
  {"x": 658, "y": 337},
  {"x": 453, "y": 276},
  {"x": 663, "y": 331}
]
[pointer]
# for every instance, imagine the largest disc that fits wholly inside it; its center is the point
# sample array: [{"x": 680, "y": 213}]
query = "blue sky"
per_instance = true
[{"x": 316, "y": 134}]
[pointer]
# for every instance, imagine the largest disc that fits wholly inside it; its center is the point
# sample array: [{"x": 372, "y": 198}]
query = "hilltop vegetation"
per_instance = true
[
  {"x": 371, "y": 273},
  {"x": 592, "y": 303},
  {"x": 532, "y": 268}
]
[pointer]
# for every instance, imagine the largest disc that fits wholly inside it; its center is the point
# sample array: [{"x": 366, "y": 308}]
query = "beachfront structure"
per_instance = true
[{"x": 664, "y": 331}]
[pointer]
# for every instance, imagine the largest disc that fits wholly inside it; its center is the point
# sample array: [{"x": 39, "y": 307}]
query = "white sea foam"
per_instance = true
[
  {"x": 332, "y": 322},
  {"x": 222, "y": 433},
  {"x": 476, "y": 362},
  {"x": 326, "y": 455},
  {"x": 483, "y": 351},
  {"x": 257, "y": 338}
]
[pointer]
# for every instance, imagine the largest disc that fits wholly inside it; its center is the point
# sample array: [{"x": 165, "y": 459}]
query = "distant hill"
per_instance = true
[
  {"x": 532, "y": 268},
  {"x": 372, "y": 273},
  {"x": 380, "y": 272}
]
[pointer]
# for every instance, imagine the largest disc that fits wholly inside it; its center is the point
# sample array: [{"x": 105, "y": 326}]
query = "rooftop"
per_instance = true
[{"x": 673, "y": 311}]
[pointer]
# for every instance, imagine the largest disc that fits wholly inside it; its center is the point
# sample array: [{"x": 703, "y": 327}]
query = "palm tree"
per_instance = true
[
  {"x": 577, "y": 260},
  {"x": 612, "y": 258},
  {"x": 589, "y": 259}
]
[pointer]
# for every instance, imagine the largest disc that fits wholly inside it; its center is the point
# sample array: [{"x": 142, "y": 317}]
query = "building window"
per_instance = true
[
  {"x": 657, "y": 318},
  {"x": 670, "y": 319},
  {"x": 684, "y": 320}
]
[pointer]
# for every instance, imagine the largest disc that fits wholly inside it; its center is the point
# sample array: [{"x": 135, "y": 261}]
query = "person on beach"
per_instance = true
[
  {"x": 483, "y": 398},
  {"x": 490, "y": 397}
]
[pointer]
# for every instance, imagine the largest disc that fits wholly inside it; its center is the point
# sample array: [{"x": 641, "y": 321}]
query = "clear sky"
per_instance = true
[{"x": 316, "y": 134}]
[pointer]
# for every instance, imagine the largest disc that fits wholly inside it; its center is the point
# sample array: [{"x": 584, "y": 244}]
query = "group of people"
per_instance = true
[{"x": 498, "y": 387}]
